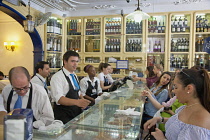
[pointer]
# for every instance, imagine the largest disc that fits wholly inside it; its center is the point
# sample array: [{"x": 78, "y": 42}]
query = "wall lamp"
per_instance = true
[{"x": 9, "y": 46}]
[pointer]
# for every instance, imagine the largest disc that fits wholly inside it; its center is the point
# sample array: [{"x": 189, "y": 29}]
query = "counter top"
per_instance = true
[{"x": 101, "y": 121}]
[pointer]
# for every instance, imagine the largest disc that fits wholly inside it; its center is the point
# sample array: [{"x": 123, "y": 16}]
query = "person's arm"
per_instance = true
[
  {"x": 153, "y": 100},
  {"x": 153, "y": 122},
  {"x": 104, "y": 87},
  {"x": 99, "y": 90},
  {"x": 57, "y": 90}
]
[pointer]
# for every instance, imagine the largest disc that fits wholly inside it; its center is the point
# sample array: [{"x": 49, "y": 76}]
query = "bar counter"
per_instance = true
[{"x": 100, "y": 122}]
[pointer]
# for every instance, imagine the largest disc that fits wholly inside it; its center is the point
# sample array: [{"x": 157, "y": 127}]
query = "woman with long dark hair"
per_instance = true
[
  {"x": 159, "y": 92},
  {"x": 191, "y": 121}
]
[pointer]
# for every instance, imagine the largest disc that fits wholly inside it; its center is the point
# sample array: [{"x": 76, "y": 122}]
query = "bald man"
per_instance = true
[{"x": 32, "y": 96}]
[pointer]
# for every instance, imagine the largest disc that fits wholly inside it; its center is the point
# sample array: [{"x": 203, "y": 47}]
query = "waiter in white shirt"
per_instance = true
[
  {"x": 3, "y": 112},
  {"x": 24, "y": 94},
  {"x": 42, "y": 69},
  {"x": 65, "y": 90}
]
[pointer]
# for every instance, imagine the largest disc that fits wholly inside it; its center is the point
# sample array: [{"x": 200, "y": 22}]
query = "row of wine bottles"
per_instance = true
[
  {"x": 53, "y": 44},
  {"x": 92, "y": 46},
  {"x": 202, "y": 24},
  {"x": 53, "y": 26},
  {"x": 180, "y": 61},
  {"x": 133, "y": 45},
  {"x": 179, "y": 25},
  {"x": 74, "y": 27},
  {"x": 133, "y": 27},
  {"x": 74, "y": 45},
  {"x": 112, "y": 27},
  {"x": 179, "y": 45},
  {"x": 156, "y": 45},
  {"x": 112, "y": 45},
  {"x": 203, "y": 61}
]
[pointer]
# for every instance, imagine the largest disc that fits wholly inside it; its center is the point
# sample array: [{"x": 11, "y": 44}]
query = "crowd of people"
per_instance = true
[{"x": 186, "y": 95}]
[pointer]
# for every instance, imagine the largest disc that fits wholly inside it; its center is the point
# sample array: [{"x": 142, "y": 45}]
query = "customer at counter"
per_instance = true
[
  {"x": 191, "y": 121},
  {"x": 159, "y": 92},
  {"x": 2, "y": 76},
  {"x": 103, "y": 76},
  {"x": 151, "y": 77},
  {"x": 23, "y": 94},
  {"x": 90, "y": 85},
  {"x": 42, "y": 69},
  {"x": 158, "y": 70},
  {"x": 65, "y": 90}
]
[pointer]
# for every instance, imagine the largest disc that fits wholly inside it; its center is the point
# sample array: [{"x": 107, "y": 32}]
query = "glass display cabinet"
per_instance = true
[
  {"x": 113, "y": 32},
  {"x": 92, "y": 34},
  {"x": 53, "y": 49},
  {"x": 102, "y": 121},
  {"x": 157, "y": 30},
  {"x": 202, "y": 40},
  {"x": 180, "y": 39}
]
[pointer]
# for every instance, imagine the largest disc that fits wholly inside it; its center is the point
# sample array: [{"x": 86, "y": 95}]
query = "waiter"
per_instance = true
[
  {"x": 42, "y": 69},
  {"x": 24, "y": 94},
  {"x": 65, "y": 90}
]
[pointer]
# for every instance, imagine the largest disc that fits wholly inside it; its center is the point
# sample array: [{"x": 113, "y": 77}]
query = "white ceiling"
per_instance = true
[{"x": 71, "y": 8}]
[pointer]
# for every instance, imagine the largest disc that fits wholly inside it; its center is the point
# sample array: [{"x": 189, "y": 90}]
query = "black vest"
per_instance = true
[
  {"x": 106, "y": 83},
  {"x": 67, "y": 113}
]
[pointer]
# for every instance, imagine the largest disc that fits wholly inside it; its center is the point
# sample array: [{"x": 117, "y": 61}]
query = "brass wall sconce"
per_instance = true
[{"x": 10, "y": 46}]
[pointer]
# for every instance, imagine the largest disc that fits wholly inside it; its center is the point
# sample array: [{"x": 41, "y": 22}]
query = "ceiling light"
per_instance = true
[
  {"x": 28, "y": 24},
  {"x": 138, "y": 15}
]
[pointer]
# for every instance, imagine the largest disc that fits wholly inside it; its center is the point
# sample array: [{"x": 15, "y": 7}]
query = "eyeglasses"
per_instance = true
[{"x": 25, "y": 89}]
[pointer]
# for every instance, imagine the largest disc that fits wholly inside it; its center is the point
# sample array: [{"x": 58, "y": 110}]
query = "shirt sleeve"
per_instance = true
[
  {"x": 1, "y": 104},
  {"x": 101, "y": 77},
  {"x": 83, "y": 87},
  {"x": 162, "y": 96},
  {"x": 42, "y": 107},
  {"x": 57, "y": 88}
]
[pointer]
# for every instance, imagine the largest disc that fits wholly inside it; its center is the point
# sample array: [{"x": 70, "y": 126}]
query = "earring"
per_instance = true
[{"x": 188, "y": 92}]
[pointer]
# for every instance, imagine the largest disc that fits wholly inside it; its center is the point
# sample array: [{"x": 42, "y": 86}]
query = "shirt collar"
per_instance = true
[
  {"x": 88, "y": 78},
  {"x": 67, "y": 72},
  {"x": 42, "y": 78}
]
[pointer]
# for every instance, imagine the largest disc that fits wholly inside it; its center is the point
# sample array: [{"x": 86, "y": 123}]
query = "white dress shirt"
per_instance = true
[
  {"x": 59, "y": 85},
  {"x": 101, "y": 76},
  {"x": 40, "y": 105},
  {"x": 1, "y": 104},
  {"x": 36, "y": 80},
  {"x": 84, "y": 85},
  {"x": 110, "y": 79},
  {"x": 41, "y": 82}
]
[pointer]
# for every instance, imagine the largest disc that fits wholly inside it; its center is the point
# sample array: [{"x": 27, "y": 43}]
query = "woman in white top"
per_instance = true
[
  {"x": 103, "y": 76},
  {"x": 90, "y": 85}
]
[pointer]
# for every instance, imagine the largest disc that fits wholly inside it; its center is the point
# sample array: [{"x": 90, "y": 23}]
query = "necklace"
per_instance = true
[{"x": 187, "y": 106}]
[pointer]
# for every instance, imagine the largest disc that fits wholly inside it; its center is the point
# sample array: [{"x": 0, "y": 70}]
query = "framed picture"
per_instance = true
[{"x": 122, "y": 64}]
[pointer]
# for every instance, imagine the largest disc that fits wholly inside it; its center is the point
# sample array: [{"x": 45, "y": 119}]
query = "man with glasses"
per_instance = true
[
  {"x": 65, "y": 90},
  {"x": 23, "y": 94}
]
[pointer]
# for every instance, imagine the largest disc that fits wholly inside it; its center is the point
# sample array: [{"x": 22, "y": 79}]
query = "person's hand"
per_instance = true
[
  {"x": 146, "y": 93},
  {"x": 158, "y": 134},
  {"x": 169, "y": 111},
  {"x": 100, "y": 94},
  {"x": 83, "y": 103},
  {"x": 135, "y": 78},
  {"x": 151, "y": 123}
]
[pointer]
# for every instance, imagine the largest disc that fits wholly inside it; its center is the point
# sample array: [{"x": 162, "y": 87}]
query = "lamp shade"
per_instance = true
[
  {"x": 137, "y": 16},
  {"x": 28, "y": 24}
]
